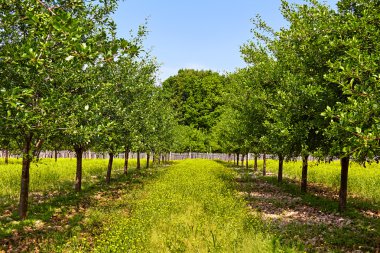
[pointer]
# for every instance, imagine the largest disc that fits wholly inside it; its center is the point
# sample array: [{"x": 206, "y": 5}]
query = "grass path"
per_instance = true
[{"x": 192, "y": 207}]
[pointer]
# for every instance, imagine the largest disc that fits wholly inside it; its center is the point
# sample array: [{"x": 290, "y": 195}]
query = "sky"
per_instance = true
[{"x": 197, "y": 34}]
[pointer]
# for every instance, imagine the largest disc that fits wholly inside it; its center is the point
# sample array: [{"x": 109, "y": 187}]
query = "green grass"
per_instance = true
[
  {"x": 192, "y": 207},
  {"x": 362, "y": 182},
  {"x": 310, "y": 222},
  {"x": 50, "y": 176},
  {"x": 57, "y": 214}
]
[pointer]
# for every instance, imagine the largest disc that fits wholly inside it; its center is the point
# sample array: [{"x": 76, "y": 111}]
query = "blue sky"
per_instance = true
[{"x": 200, "y": 34}]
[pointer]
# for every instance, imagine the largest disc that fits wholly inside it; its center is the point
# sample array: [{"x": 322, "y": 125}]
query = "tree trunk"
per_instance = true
[
  {"x": 304, "y": 173},
  {"x": 138, "y": 166},
  {"x": 78, "y": 178},
  {"x": 247, "y": 162},
  {"x": 25, "y": 177},
  {"x": 264, "y": 165},
  {"x": 344, "y": 163},
  {"x": 237, "y": 159},
  {"x": 55, "y": 155},
  {"x": 280, "y": 168},
  {"x": 255, "y": 167},
  {"x": 242, "y": 159},
  {"x": 6, "y": 158},
  {"x": 126, "y": 159},
  {"x": 147, "y": 160},
  {"x": 109, "y": 170}
]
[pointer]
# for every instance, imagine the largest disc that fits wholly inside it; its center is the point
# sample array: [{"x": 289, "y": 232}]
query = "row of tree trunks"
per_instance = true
[{"x": 344, "y": 163}]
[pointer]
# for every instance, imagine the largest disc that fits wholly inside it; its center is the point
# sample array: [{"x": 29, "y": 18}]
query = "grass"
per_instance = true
[
  {"x": 191, "y": 208},
  {"x": 50, "y": 176},
  {"x": 363, "y": 182},
  {"x": 310, "y": 222},
  {"x": 58, "y": 218}
]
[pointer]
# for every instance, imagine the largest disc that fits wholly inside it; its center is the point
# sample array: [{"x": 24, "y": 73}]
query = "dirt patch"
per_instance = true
[{"x": 298, "y": 223}]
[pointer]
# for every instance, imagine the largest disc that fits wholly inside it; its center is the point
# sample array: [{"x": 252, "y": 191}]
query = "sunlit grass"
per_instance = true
[
  {"x": 46, "y": 175},
  {"x": 363, "y": 182},
  {"x": 192, "y": 207}
]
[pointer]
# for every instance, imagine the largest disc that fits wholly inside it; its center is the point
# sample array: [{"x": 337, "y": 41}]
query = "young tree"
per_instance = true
[
  {"x": 39, "y": 40},
  {"x": 354, "y": 122}
]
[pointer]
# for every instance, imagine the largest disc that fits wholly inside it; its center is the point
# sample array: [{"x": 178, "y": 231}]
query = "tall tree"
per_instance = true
[{"x": 196, "y": 97}]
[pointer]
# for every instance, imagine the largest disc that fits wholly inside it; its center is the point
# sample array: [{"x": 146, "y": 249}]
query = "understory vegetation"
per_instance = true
[
  {"x": 189, "y": 206},
  {"x": 192, "y": 208},
  {"x": 362, "y": 183},
  {"x": 52, "y": 178}
]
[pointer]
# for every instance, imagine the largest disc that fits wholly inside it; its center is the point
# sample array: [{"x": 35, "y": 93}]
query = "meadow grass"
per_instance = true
[
  {"x": 46, "y": 175},
  {"x": 192, "y": 207},
  {"x": 363, "y": 182}
]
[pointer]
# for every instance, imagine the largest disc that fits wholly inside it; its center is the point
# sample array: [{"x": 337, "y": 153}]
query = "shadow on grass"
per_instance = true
[
  {"x": 310, "y": 221},
  {"x": 60, "y": 215}
]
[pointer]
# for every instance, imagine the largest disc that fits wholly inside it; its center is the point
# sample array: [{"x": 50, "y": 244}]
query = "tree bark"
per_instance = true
[
  {"x": 126, "y": 160},
  {"x": 242, "y": 159},
  {"x": 304, "y": 173},
  {"x": 255, "y": 167},
  {"x": 6, "y": 158},
  {"x": 237, "y": 159},
  {"x": 280, "y": 168},
  {"x": 25, "y": 177},
  {"x": 78, "y": 177},
  {"x": 344, "y": 164},
  {"x": 147, "y": 160},
  {"x": 246, "y": 162},
  {"x": 264, "y": 165},
  {"x": 55, "y": 155},
  {"x": 109, "y": 170},
  {"x": 138, "y": 166}
]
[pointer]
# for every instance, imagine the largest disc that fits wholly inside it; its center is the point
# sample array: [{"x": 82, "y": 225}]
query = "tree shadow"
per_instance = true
[
  {"x": 310, "y": 221},
  {"x": 62, "y": 214}
]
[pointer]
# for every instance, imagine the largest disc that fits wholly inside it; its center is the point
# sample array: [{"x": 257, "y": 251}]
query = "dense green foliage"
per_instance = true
[
  {"x": 195, "y": 95},
  {"x": 67, "y": 82},
  {"x": 310, "y": 88}
]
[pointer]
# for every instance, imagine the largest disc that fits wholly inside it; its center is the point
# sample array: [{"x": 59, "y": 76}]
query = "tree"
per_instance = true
[
  {"x": 196, "y": 97},
  {"x": 40, "y": 40},
  {"x": 354, "y": 122}
]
